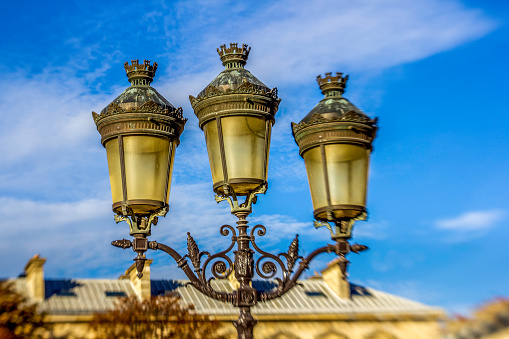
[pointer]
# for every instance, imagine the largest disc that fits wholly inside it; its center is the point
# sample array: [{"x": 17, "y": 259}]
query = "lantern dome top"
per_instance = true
[
  {"x": 140, "y": 97},
  {"x": 334, "y": 107},
  {"x": 140, "y": 74},
  {"x": 235, "y": 77},
  {"x": 140, "y": 92},
  {"x": 234, "y": 56}
]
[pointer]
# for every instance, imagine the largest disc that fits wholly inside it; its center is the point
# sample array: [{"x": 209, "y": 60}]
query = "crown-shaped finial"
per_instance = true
[
  {"x": 332, "y": 85},
  {"x": 140, "y": 74},
  {"x": 234, "y": 57}
]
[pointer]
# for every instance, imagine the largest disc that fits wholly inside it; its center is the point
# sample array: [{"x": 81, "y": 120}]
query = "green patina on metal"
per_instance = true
[
  {"x": 332, "y": 107},
  {"x": 230, "y": 79},
  {"x": 136, "y": 96}
]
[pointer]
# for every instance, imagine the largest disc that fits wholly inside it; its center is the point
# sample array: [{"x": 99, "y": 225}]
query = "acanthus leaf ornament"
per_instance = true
[
  {"x": 124, "y": 243},
  {"x": 356, "y": 248},
  {"x": 140, "y": 264},
  {"x": 194, "y": 253},
  {"x": 293, "y": 253}
]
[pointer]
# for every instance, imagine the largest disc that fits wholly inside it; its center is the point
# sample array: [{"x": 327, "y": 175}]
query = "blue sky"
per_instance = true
[{"x": 433, "y": 71}]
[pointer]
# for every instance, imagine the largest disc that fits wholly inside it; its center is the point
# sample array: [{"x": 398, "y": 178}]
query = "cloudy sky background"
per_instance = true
[{"x": 433, "y": 71}]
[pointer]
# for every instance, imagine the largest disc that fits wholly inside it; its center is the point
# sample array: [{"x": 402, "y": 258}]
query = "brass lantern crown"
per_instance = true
[
  {"x": 236, "y": 113},
  {"x": 140, "y": 130},
  {"x": 335, "y": 140}
]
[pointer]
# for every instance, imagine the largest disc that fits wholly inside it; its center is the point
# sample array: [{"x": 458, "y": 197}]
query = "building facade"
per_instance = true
[{"x": 325, "y": 306}]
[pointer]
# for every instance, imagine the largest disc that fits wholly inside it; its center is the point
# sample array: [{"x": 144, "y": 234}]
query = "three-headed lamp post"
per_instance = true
[{"x": 140, "y": 130}]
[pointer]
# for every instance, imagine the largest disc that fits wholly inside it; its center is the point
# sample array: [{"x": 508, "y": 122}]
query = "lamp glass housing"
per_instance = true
[
  {"x": 147, "y": 163},
  {"x": 238, "y": 148},
  {"x": 338, "y": 175}
]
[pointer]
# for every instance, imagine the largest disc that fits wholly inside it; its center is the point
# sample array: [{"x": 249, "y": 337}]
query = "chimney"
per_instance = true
[
  {"x": 34, "y": 277},
  {"x": 141, "y": 285},
  {"x": 335, "y": 277},
  {"x": 234, "y": 283}
]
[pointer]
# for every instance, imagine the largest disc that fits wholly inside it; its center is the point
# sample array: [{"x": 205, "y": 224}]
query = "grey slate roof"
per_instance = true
[{"x": 85, "y": 296}]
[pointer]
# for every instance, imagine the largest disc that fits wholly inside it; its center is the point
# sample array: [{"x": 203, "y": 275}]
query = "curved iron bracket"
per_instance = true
[{"x": 266, "y": 266}]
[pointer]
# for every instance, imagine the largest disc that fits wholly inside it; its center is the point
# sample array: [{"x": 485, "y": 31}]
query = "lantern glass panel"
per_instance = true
[
  {"x": 347, "y": 166},
  {"x": 146, "y": 168},
  {"x": 214, "y": 150},
  {"x": 172, "y": 156},
  {"x": 244, "y": 149},
  {"x": 347, "y": 172},
  {"x": 112, "y": 154},
  {"x": 316, "y": 178}
]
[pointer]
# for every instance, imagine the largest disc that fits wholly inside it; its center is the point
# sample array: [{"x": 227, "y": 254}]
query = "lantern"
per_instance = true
[
  {"x": 335, "y": 141},
  {"x": 140, "y": 130},
  {"x": 236, "y": 113}
]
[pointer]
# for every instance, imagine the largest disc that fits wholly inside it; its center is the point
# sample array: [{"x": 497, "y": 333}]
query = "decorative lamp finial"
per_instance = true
[
  {"x": 234, "y": 57},
  {"x": 332, "y": 85},
  {"x": 140, "y": 74}
]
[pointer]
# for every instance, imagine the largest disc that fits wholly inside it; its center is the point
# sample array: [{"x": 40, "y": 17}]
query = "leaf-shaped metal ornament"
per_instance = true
[
  {"x": 124, "y": 243},
  {"x": 356, "y": 248},
  {"x": 293, "y": 253},
  {"x": 194, "y": 252},
  {"x": 140, "y": 264}
]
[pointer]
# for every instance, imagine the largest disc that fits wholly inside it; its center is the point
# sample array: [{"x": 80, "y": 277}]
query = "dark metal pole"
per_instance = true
[
  {"x": 245, "y": 324},
  {"x": 244, "y": 270}
]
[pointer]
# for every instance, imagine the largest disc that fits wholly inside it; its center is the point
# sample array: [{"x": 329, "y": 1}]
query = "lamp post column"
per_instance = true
[{"x": 244, "y": 269}]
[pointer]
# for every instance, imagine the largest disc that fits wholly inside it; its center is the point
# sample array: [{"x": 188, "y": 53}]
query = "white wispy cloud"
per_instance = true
[
  {"x": 46, "y": 112},
  {"x": 472, "y": 220},
  {"x": 293, "y": 41},
  {"x": 72, "y": 234},
  {"x": 51, "y": 151}
]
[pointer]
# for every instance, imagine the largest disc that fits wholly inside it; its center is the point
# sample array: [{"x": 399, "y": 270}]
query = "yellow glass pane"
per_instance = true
[
  {"x": 114, "y": 170},
  {"x": 214, "y": 151},
  {"x": 172, "y": 157},
  {"x": 347, "y": 166},
  {"x": 146, "y": 167},
  {"x": 244, "y": 144},
  {"x": 314, "y": 169},
  {"x": 269, "y": 132}
]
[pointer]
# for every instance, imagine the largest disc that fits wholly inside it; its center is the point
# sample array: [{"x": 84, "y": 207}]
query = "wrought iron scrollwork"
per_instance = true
[
  {"x": 284, "y": 269},
  {"x": 222, "y": 268},
  {"x": 268, "y": 269}
]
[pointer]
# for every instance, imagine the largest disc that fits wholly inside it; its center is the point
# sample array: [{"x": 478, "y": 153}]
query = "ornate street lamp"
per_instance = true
[
  {"x": 140, "y": 130},
  {"x": 335, "y": 141},
  {"x": 236, "y": 113}
]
